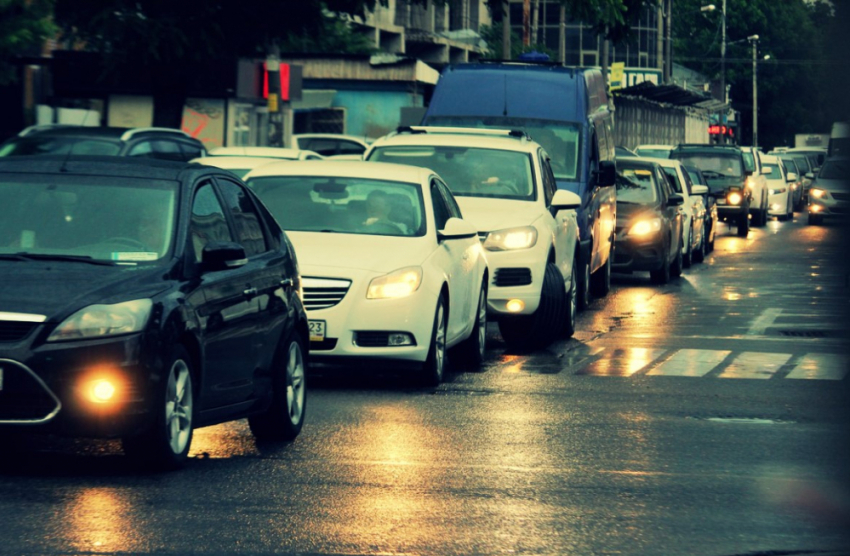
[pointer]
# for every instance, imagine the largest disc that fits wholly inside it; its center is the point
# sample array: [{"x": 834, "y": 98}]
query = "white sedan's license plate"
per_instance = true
[
  {"x": 317, "y": 330},
  {"x": 721, "y": 201}
]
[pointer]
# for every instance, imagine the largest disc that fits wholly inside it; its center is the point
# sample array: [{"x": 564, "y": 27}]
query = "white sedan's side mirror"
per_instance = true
[
  {"x": 565, "y": 200},
  {"x": 791, "y": 176},
  {"x": 699, "y": 189},
  {"x": 457, "y": 228}
]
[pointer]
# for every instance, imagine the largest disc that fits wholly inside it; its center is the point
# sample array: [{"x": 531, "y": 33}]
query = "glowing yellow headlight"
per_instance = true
[
  {"x": 515, "y": 305},
  {"x": 102, "y": 391},
  {"x": 817, "y": 193},
  {"x": 645, "y": 227},
  {"x": 735, "y": 198}
]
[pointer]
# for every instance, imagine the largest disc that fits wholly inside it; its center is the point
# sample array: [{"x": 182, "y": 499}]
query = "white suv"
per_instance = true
[
  {"x": 505, "y": 187},
  {"x": 757, "y": 183}
]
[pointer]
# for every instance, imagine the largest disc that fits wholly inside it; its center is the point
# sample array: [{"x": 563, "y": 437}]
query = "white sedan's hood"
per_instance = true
[
  {"x": 496, "y": 214},
  {"x": 363, "y": 252}
]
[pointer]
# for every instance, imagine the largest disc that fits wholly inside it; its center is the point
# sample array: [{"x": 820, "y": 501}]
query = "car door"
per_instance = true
[
  {"x": 672, "y": 213},
  {"x": 451, "y": 257},
  {"x": 686, "y": 209},
  {"x": 564, "y": 221},
  {"x": 697, "y": 207},
  {"x": 227, "y": 310},
  {"x": 603, "y": 204}
]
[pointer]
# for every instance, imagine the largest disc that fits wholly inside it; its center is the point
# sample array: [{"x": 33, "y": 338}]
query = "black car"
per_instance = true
[
  {"x": 710, "y": 232},
  {"x": 141, "y": 142},
  {"x": 142, "y": 299},
  {"x": 726, "y": 175},
  {"x": 648, "y": 235}
]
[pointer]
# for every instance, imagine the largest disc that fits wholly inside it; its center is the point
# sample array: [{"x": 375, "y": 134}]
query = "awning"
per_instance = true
[{"x": 671, "y": 94}]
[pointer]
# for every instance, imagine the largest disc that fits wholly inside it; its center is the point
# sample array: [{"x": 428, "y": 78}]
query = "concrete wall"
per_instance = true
[{"x": 640, "y": 122}]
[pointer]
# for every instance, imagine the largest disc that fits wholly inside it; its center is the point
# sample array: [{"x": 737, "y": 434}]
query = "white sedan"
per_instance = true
[
  {"x": 239, "y": 165},
  {"x": 266, "y": 152},
  {"x": 781, "y": 199},
  {"x": 391, "y": 271}
]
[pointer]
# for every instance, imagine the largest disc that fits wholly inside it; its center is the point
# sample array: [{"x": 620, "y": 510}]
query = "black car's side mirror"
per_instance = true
[
  {"x": 606, "y": 175},
  {"x": 675, "y": 200},
  {"x": 222, "y": 255}
]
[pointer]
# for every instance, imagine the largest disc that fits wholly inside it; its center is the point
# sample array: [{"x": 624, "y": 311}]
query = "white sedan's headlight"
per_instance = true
[
  {"x": 511, "y": 238},
  {"x": 97, "y": 321},
  {"x": 645, "y": 227},
  {"x": 399, "y": 283}
]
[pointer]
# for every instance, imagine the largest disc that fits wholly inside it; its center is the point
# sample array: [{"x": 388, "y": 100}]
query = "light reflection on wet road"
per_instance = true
[{"x": 631, "y": 438}]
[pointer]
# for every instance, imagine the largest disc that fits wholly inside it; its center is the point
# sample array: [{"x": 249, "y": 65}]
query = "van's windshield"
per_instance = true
[{"x": 562, "y": 140}]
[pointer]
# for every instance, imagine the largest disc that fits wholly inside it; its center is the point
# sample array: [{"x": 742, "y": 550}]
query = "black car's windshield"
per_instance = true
[
  {"x": 46, "y": 145},
  {"x": 835, "y": 170},
  {"x": 113, "y": 219},
  {"x": 469, "y": 172},
  {"x": 561, "y": 140},
  {"x": 635, "y": 185},
  {"x": 343, "y": 205},
  {"x": 713, "y": 166}
]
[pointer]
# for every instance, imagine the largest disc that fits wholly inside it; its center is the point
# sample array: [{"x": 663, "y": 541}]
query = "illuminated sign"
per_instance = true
[{"x": 716, "y": 129}]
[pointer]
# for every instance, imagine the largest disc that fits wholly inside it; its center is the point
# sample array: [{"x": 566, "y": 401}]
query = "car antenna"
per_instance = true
[{"x": 63, "y": 168}]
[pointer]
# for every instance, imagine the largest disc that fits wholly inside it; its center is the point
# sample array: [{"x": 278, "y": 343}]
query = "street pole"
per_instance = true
[
  {"x": 562, "y": 35},
  {"x": 723, "y": 111},
  {"x": 669, "y": 45},
  {"x": 275, "y": 114},
  {"x": 506, "y": 31},
  {"x": 755, "y": 96}
]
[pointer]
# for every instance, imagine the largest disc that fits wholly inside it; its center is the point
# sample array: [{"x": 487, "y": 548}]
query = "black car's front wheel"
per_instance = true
[
  {"x": 283, "y": 419},
  {"x": 166, "y": 444}
]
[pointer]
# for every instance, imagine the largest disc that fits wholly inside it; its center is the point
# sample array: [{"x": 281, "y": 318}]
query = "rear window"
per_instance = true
[
  {"x": 713, "y": 165},
  {"x": 35, "y": 146}
]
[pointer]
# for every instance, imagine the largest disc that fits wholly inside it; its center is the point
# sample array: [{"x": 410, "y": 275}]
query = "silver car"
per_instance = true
[{"x": 830, "y": 191}]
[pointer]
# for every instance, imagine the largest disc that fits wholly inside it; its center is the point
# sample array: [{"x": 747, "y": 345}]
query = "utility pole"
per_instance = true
[
  {"x": 506, "y": 30},
  {"x": 526, "y": 22},
  {"x": 562, "y": 35},
  {"x": 669, "y": 44},
  {"x": 755, "y": 40},
  {"x": 660, "y": 45},
  {"x": 274, "y": 100},
  {"x": 724, "y": 110}
]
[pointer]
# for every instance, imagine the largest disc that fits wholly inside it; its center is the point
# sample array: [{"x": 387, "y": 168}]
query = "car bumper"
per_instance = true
[
  {"x": 516, "y": 275},
  {"x": 828, "y": 207},
  {"x": 47, "y": 388},
  {"x": 729, "y": 213},
  {"x": 778, "y": 204},
  {"x": 632, "y": 254}
]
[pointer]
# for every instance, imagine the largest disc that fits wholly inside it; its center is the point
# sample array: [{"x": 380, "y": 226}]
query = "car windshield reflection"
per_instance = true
[
  {"x": 131, "y": 221},
  {"x": 343, "y": 205}
]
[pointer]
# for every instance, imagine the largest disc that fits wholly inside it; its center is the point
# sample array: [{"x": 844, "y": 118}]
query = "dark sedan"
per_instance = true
[
  {"x": 141, "y": 300},
  {"x": 649, "y": 224}
]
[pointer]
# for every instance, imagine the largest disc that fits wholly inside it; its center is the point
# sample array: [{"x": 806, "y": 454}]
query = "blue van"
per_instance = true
[{"x": 566, "y": 111}]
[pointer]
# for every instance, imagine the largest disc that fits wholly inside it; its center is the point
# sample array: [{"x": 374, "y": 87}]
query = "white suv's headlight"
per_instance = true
[
  {"x": 97, "y": 321},
  {"x": 399, "y": 283},
  {"x": 511, "y": 238}
]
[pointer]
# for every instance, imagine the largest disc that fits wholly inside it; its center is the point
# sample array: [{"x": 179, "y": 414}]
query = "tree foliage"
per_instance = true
[
  {"x": 24, "y": 25},
  {"x": 794, "y": 85}
]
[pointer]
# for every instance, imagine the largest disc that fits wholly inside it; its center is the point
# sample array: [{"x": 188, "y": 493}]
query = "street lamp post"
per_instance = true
[
  {"x": 711, "y": 8},
  {"x": 754, "y": 39}
]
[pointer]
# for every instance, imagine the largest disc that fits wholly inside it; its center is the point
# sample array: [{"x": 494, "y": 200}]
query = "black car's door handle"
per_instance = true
[{"x": 250, "y": 293}]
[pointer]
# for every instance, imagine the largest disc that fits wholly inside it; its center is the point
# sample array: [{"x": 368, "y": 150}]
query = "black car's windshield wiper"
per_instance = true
[
  {"x": 53, "y": 257},
  {"x": 713, "y": 174}
]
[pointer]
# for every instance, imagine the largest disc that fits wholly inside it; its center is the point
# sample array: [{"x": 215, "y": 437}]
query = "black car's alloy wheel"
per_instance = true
[
  {"x": 284, "y": 418},
  {"x": 166, "y": 444}
]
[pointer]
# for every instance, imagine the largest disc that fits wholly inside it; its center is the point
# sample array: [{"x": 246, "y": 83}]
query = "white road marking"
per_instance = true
[
  {"x": 690, "y": 362},
  {"x": 821, "y": 366},
  {"x": 751, "y": 364},
  {"x": 764, "y": 321}
]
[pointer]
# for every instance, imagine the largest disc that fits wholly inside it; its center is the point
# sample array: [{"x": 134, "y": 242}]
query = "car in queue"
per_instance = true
[
  {"x": 757, "y": 184},
  {"x": 654, "y": 151},
  {"x": 693, "y": 210},
  {"x": 649, "y": 222},
  {"x": 829, "y": 195},
  {"x": 393, "y": 273},
  {"x": 332, "y": 145},
  {"x": 239, "y": 165},
  {"x": 723, "y": 168},
  {"x": 796, "y": 184},
  {"x": 711, "y": 219},
  {"x": 266, "y": 152},
  {"x": 504, "y": 184},
  {"x": 158, "y": 143},
  {"x": 779, "y": 189},
  {"x": 142, "y": 299},
  {"x": 806, "y": 175}
]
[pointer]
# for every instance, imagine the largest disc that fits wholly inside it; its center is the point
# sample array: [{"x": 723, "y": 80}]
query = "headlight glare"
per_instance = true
[
  {"x": 817, "y": 193},
  {"x": 645, "y": 227},
  {"x": 96, "y": 321},
  {"x": 735, "y": 198},
  {"x": 399, "y": 283},
  {"x": 511, "y": 238}
]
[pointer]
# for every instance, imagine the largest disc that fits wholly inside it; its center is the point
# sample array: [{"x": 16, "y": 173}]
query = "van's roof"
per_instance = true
[{"x": 527, "y": 91}]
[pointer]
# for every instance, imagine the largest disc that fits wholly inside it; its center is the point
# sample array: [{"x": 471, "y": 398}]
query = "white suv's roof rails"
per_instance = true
[
  {"x": 127, "y": 135},
  {"x": 40, "y": 127},
  {"x": 515, "y": 133}
]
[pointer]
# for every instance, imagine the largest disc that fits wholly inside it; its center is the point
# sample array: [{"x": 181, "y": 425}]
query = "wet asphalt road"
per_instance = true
[{"x": 706, "y": 417}]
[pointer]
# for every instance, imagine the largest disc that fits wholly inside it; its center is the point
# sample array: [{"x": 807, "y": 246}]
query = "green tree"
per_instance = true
[
  {"x": 791, "y": 91},
  {"x": 24, "y": 26},
  {"x": 172, "y": 35}
]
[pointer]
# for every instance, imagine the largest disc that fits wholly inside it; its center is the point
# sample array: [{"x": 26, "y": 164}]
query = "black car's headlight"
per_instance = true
[
  {"x": 734, "y": 197},
  {"x": 645, "y": 227},
  {"x": 818, "y": 193},
  {"x": 98, "y": 321}
]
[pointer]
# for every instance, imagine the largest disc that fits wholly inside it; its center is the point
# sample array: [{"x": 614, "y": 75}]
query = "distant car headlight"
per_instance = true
[
  {"x": 97, "y": 321},
  {"x": 818, "y": 193},
  {"x": 511, "y": 238},
  {"x": 645, "y": 227},
  {"x": 399, "y": 283},
  {"x": 734, "y": 198}
]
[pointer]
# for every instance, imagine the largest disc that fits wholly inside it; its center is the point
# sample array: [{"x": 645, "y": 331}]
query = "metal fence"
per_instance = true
[{"x": 641, "y": 122}]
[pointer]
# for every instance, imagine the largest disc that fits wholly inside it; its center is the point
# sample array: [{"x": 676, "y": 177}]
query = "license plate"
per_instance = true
[
  {"x": 317, "y": 330},
  {"x": 721, "y": 201}
]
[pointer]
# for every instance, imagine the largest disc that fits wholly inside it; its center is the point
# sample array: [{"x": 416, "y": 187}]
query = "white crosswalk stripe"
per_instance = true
[{"x": 696, "y": 363}]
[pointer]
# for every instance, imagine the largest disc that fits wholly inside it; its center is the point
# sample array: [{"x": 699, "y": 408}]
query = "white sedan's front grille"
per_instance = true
[{"x": 321, "y": 293}]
